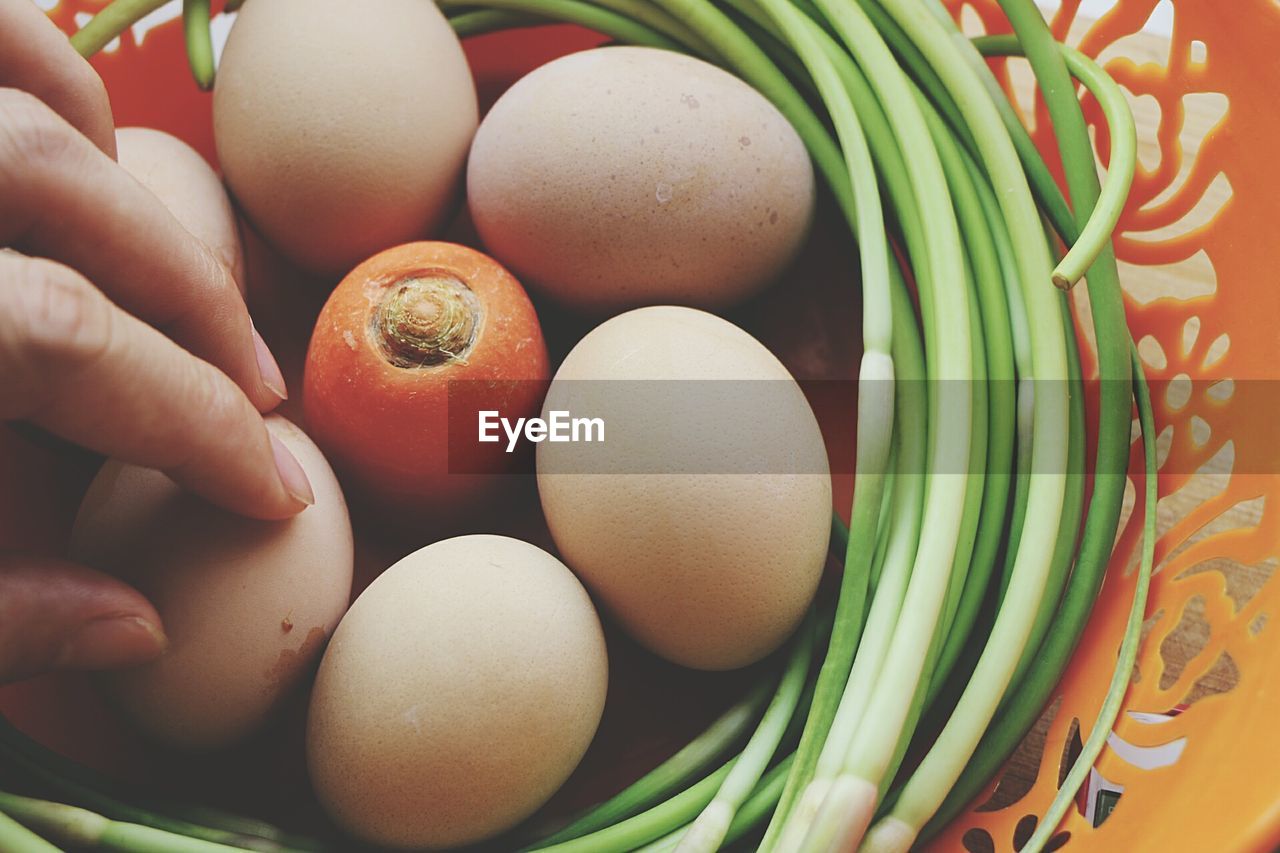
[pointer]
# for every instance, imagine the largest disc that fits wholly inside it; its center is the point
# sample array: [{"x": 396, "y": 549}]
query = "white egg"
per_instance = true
[
  {"x": 702, "y": 520},
  {"x": 186, "y": 183},
  {"x": 458, "y": 694},
  {"x": 342, "y": 127}
]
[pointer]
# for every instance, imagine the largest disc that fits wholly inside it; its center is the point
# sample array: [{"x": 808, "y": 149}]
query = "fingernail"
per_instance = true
[
  {"x": 112, "y": 641},
  {"x": 291, "y": 474},
  {"x": 267, "y": 366}
]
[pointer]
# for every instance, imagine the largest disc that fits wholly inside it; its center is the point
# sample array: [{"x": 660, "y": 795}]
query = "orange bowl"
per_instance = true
[{"x": 1197, "y": 247}]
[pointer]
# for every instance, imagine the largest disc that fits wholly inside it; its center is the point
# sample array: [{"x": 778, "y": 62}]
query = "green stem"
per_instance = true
[
  {"x": 694, "y": 758},
  {"x": 16, "y": 838},
  {"x": 83, "y": 828},
  {"x": 945, "y": 761},
  {"x": 876, "y": 379},
  {"x": 914, "y": 62},
  {"x": 651, "y": 824},
  {"x": 1065, "y": 549},
  {"x": 1054, "y": 66},
  {"x": 114, "y": 19},
  {"x": 1025, "y": 702},
  {"x": 941, "y": 253},
  {"x": 481, "y": 21},
  {"x": 761, "y": 803},
  {"x": 748, "y": 59},
  {"x": 66, "y": 779},
  {"x": 659, "y": 21},
  {"x": 1044, "y": 502},
  {"x": 964, "y": 179},
  {"x": 793, "y": 34},
  {"x": 1095, "y": 234},
  {"x": 1039, "y": 176},
  {"x": 758, "y": 806},
  {"x": 195, "y": 30},
  {"x": 1115, "y": 348},
  {"x": 708, "y": 831},
  {"x": 584, "y": 14},
  {"x": 1123, "y": 675}
]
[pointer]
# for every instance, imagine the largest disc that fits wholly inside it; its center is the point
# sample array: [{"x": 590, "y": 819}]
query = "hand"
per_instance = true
[{"x": 120, "y": 332}]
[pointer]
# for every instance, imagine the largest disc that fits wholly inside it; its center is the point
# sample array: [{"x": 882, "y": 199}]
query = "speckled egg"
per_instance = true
[
  {"x": 247, "y": 604},
  {"x": 627, "y": 176}
]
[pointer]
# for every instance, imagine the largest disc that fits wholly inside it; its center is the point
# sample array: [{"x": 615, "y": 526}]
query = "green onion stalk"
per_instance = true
[
  {"x": 17, "y": 838},
  {"x": 690, "y": 762},
  {"x": 851, "y": 800},
  {"x": 1001, "y": 316},
  {"x": 1054, "y": 67},
  {"x": 708, "y": 831},
  {"x": 82, "y": 828},
  {"x": 637, "y": 821},
  {"x": 49, "y": 771},
  {"x": 970, "y": 439},
  {"x": 1022, "y": 706},
  {"x": 932, "y": 237},
  {"x": 112, "y": 20},
  {"x": 943, "y": 764},
  {"x": 1064, "y": 799},
  {"x": 199, "y": 41}
]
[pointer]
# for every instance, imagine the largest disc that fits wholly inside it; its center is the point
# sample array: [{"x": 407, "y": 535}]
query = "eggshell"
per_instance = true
[
  {"x": 186, "y": 183},
  {"x": 627, "y": 176},
  {"x": 702, "y": 520},
  {"x": 458, "y": 694},
  {"x": 247, "y": 604},
  {"x": 343, "y": 128}
]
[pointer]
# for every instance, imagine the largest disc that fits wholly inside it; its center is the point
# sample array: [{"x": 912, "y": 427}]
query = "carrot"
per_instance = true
[{"x": 410, "y": 347}]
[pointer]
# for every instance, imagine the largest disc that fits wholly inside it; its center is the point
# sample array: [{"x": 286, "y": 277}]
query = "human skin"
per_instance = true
[{"x": 119, "y": 332}]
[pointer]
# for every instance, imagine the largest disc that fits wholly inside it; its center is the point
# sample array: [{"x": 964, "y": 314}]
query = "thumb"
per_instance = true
[{"x": 59, "y": 615}]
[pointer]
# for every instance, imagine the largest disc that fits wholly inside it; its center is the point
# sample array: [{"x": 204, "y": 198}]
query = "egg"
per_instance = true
[
  {"x": 459, "y": 692},
  {"x": 343, "y": 128},
  {"x": 701, "y": 520},
  {"x": 186, "y": 183},
  {"x": 247, "y": 604},
  {"x": 627, "y": 176}
]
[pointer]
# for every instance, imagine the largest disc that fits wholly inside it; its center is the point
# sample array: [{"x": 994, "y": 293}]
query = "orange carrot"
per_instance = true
[{"x": 413, "y": 342}]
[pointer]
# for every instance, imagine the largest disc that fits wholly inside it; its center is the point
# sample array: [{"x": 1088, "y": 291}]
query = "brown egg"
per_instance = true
[
  {"x": 702, "y": 520},
  {"x": 628, "y": 176},
  {"x": 459, "y": 692},
  {"x": 182, "y": 179},
  {"x": 248, "y": 605},
  {"x": 343, "y": 128}
]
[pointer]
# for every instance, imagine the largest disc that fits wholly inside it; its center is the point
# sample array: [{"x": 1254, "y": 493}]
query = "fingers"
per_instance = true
[
  {"x": 78, "y": 366},
  {"x": 62, "y": 198},
  {"x": 37, "y": 57},
  {"x": 58, "y": 615}
]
